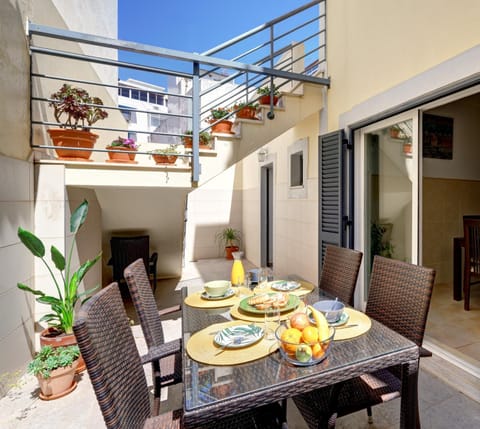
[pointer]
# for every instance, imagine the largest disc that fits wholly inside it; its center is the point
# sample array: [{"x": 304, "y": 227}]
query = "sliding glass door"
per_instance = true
[{"x": 388, "y": 211}]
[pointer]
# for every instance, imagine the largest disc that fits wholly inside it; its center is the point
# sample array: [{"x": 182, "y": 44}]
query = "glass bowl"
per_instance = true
[{"x": 299, "y": 352}]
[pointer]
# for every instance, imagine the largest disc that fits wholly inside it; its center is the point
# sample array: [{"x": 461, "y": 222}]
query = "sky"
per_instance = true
[{"x": 192, "y": 25}]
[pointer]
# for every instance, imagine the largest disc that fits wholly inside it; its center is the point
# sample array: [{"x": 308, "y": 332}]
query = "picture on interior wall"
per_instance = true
[{"x": 437, "y": 137}]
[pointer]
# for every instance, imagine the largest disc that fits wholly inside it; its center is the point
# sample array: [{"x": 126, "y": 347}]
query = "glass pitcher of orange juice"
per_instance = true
[{"x": 238, "y": 273}]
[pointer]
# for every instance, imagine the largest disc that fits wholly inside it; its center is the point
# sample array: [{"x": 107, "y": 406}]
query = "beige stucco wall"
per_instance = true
[
  {"x": 376, "y": 44},
  {"x": 19, "y": 182}
]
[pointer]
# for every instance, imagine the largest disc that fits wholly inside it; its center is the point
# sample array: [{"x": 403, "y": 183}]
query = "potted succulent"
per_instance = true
[
  {"x": 123, "y": 144},
  {"x": 265, "y": 92},
  {"x": 62, "y": 315},
  {"x": 218, "y": 119},
  {"x": 76, "y": 111},
  {"x": 246, "y": 110},
  {"x": 230, "y": 238},
  {"x": 54, "y": 368},
  {"x": 205, "y": 139},
  {"x": 165, "y": 155}
]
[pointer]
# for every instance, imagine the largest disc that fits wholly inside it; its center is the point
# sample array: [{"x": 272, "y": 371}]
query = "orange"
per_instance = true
[
  {"x": 310, "y": 334},
  {"x": 293, "y": 336}
]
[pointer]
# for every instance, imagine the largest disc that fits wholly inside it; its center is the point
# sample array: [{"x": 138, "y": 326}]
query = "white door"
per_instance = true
[{"x": 387, "y": 203}]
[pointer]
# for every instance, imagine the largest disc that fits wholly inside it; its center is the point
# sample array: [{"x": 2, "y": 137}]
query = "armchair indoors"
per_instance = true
[{"x": 127, "y": 249}]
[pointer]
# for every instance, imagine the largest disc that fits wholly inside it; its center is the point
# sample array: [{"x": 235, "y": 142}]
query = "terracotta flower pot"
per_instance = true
[
  {"x": 265, "y": 99},
  {"x": 188, "y": 143},
  {"x": 127, "y": 158},
  {"x": 224, "y": 127},
  {"x": 229, "y": 250},
  {"x": 164, "y": 159},
  {"x": 60, "y": 383},
  {"x": 73, "y": 138},
  {"x": 55, "y": 338},
  {"x": 247, "y": 112}
]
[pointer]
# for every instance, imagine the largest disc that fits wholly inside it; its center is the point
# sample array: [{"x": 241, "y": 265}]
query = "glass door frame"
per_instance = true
[{"x": 360, "y": 192}]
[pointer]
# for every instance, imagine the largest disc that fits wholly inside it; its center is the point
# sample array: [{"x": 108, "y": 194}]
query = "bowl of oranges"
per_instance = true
[{"x": 303, "y": 343}]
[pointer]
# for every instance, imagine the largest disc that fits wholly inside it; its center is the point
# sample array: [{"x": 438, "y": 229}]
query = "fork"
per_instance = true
[{"x": 236, "y": 340}]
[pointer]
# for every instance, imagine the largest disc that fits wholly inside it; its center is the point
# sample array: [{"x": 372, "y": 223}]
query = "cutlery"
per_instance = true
[{"x": 347, "y": 326}]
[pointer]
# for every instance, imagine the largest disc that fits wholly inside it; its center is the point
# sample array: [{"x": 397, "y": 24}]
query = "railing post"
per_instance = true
[{"x": 195, "y": 124}]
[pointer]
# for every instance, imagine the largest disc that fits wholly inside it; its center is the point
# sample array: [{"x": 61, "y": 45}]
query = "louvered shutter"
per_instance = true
[{"x": 333, "y": 220}]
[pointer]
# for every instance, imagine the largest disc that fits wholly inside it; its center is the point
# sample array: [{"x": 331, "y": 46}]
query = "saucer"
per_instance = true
[
  {"x": 227, "y": 294},
  {"x": 343, "y": 319}
]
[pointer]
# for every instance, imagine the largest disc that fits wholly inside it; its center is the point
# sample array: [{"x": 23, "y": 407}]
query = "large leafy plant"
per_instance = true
[{"x": 62, "y": 305}]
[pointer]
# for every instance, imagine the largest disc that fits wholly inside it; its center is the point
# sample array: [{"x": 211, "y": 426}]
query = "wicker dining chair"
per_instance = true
[
  {"x": 340, "y": 272},
  {"x": 107, "y": 344},
  {"x": 168, "y": 369},
  {"x": 399, "y": 297},
  {"x": 471, "y": 268}
]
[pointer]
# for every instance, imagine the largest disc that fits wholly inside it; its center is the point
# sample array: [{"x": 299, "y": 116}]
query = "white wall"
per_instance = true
[{"x": 466, "y": 147}]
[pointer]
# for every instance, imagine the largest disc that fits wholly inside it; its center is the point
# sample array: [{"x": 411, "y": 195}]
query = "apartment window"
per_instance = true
[
  {"x": 124, "y": 92},
  {"x": 154, "y": 120},
  {"x": 297, "y": 169},
  {"x": 135, "y": 94},
  {"x": 143, "y": 95}
]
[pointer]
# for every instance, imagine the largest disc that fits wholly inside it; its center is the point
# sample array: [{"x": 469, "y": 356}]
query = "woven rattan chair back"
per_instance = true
[
  {"x": 399, "y": 296},
  {"x": 471, "y": 273},
  {"x": 144, "y": 301},
  {"x": 340, "y": 272},
  {"x": 108, "y": 347}
]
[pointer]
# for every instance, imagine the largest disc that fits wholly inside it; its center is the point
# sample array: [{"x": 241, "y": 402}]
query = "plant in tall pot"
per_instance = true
[
  {"x": 122, "y": 150},
  {"x": 230, "y": 238},
  {"x": 75, "y": 110},
  {"x": 62, "y": 315},
  {"x": 54, "y": 368}
]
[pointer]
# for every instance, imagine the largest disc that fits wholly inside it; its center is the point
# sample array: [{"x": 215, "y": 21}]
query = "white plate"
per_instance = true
[
  {"x": 247, "y": 334},
  {"x": 285, "y": 285},
  {"x": 227, "y": 294},
  {"x": 343, "y": 319}
]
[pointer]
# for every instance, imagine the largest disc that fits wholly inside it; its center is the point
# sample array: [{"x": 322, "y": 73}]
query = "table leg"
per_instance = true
[
  {"x": 409, "y": 416},
  {"x": 457, "y": 268}
]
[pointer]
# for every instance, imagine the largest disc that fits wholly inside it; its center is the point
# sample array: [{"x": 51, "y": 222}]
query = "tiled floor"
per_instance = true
[
  {"x": 449, "y": 324},
  {"x": 442, "y": 405}
]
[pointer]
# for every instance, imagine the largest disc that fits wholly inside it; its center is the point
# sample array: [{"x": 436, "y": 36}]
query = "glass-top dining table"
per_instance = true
[{"x": 212, "y": 392}]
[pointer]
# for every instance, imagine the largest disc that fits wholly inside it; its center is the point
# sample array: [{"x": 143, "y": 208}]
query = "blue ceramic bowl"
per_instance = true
[{"x": 331, "y": 309}]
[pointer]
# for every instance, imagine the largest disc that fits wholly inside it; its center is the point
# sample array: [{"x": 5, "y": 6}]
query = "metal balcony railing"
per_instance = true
[{"x": 282, "y": 53}]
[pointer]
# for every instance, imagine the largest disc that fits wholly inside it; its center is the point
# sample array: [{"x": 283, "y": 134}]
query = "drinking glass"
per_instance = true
[
  {"x": 262, "y": 278},
  {"x": 272, "y": 320}
]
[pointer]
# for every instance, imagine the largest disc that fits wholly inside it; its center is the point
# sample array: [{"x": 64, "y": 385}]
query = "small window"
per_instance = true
[
  {"x": 143, "y": 95},
  {"x": 297, "y": 169}
]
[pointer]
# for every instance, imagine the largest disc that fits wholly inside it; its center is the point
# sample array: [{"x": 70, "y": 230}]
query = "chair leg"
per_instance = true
[
  {"x": 466, "y": 293},
  {"x": 369, "y": 414}
]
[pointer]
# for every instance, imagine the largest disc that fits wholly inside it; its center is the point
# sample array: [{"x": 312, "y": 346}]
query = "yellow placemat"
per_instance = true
[
  {"x": 356, "y": 317},
  {"x": 252, "y": 317},
  {"x": 196, "y": 300},
  {"x": 202, "y": 348},
  {"x": 304, "y": 289}
]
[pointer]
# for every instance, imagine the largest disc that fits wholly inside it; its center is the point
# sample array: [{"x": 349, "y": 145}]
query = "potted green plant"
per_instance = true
[
  {"x": 230, "y": 238},
  {"x": 54, "y": 368},
  {"x": 123, "y": 144},
  {"x": 218, "y": 119},
  {"x": 76, "y": 111},
  {"x": 265, "y": 92},
  {"x": 205, "y": 139},
  {"x": 165, "y": 155},
  {"x": 246, "y": 110},
  {"x": 62, "y": 315}
]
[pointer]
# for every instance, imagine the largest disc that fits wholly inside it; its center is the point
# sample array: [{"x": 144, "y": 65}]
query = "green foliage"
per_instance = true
[
  {"x": 168, "y": 150},
  {"x": 72, "y": 107},
  {"x": 242, "y": 105},
  {"x": 219, "y": 113},
  {"x": 265, "y": 90},
  {"x": 229, "y": 237},
  {"x": 50, "y": 358},
  {"x": 379, "y": 245},
  {"x": 205, "y": 137},
  {"x": 62, "y": 305}
]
